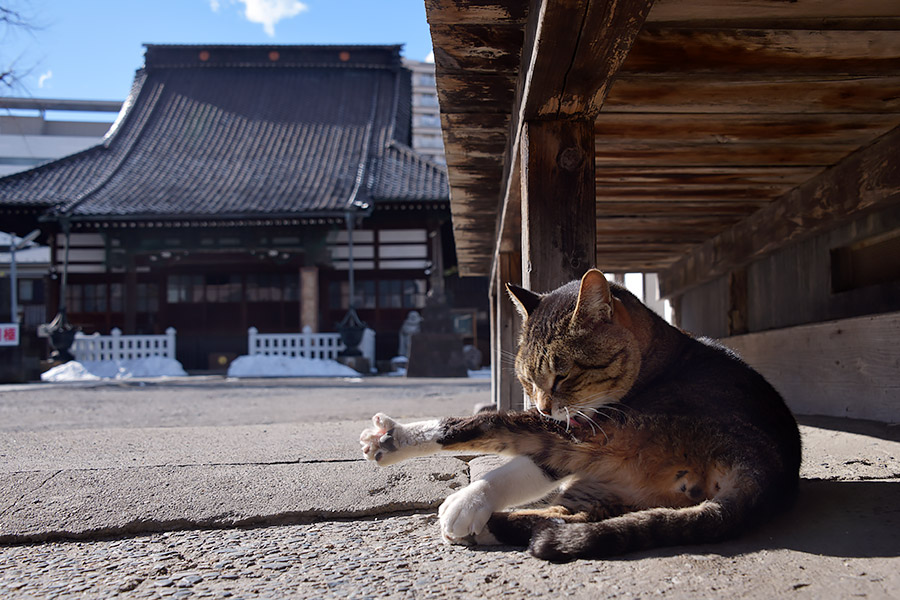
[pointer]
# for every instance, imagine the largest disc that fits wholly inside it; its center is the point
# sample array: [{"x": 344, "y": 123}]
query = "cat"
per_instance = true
[{"x": 646, "y": 436}]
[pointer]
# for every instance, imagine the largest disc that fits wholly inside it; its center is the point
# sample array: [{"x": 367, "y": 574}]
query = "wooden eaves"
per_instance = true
[{"x": 684, "y": 137}]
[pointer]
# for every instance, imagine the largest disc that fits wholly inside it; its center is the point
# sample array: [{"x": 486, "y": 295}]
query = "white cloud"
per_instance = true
[
  {"x": 214, "y": 5},
  {"x": 44, "y": 78},
  {"x": 430, "y": 57},
  {"x": 270, "y": 12}
]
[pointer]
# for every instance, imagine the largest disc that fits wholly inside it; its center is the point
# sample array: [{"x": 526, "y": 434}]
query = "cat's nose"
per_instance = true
[{"x": 544, "y": 403}]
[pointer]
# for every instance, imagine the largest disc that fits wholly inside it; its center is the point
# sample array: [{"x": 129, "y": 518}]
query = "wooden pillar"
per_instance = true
[
  {"x": 309, "y": 298},
  {"x": 131, "y": 299},
  {"x": 559, "y": 229},
  {"x": 507, "y": 393},
  {"x": 737, "y": 302}
]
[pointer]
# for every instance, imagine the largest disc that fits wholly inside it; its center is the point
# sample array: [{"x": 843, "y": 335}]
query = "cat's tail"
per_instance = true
[{"x": 710, "y": 521}]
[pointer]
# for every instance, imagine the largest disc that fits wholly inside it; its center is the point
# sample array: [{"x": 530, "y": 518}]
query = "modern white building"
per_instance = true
[
  {"x": 29, "y": 138},
  {"x": 426, "y": 114}
]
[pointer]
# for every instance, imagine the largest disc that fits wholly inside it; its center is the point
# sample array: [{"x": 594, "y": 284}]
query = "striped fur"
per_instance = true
[{"x": 649, "y": 437}]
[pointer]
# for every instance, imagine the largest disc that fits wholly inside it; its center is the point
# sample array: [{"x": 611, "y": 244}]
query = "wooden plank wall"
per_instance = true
[{"x": 846, "y": 368}]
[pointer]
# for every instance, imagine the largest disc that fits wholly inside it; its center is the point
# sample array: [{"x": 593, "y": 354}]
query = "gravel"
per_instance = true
[{"x": 402, "y": 557}]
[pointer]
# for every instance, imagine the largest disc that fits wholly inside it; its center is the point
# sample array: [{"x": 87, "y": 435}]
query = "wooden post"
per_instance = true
[
  {"x": 738, "y": 303},
  {"x": 506, "y": 389},
  {"x": 559, "y": 229},
  {"x": 130, "y": 299},
  {"x": 309, "y": 298}
]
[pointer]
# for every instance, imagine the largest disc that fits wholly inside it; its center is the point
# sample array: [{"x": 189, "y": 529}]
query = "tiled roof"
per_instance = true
[{"x": 246, "y": 131}]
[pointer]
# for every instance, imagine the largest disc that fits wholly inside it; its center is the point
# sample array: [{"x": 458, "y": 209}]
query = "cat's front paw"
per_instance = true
[
  {"x": 464, "y": 515},
  {"x": 379, "y": 441}
]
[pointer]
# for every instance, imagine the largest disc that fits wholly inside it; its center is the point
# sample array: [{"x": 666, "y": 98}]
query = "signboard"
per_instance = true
[{"x": 9, "y": 334}]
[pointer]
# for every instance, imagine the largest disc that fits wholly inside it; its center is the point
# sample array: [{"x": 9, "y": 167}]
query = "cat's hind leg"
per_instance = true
[{"x": 580, "y": 502}]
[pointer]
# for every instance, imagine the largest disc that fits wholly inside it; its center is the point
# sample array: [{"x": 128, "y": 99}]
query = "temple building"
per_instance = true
[{"x": 227, "y": 191}]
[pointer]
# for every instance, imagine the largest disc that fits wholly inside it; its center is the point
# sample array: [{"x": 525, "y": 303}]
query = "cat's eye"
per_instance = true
[{"x": 558, "y": 380}]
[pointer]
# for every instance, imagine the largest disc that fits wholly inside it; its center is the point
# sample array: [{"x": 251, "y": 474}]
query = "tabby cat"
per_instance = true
[{"x": 644, "y": 435}]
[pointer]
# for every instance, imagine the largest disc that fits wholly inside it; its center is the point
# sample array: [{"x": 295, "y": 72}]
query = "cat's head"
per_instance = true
[{"x": 576, "y": 351}]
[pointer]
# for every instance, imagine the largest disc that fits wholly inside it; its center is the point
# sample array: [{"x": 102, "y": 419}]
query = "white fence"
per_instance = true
[
  {"x": 306, "y": 344},
  {"x": 123, "y": 347}
]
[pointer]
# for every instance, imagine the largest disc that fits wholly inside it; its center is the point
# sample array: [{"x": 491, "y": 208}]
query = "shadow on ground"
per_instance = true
[{"x": 849, "y": 519}]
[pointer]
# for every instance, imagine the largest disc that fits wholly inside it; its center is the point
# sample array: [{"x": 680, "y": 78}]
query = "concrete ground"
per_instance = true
[{"x": 203, "y": 487}]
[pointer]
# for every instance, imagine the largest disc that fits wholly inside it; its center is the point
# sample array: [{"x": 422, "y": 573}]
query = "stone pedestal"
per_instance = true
[
  {"x": 360, "y": 364},
  {"x": 434, "y": 354}
]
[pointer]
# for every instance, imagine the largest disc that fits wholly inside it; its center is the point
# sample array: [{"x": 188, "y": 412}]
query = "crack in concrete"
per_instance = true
[
  {"x": 6, "y": 510},
  {"x": 189, "y": 465},
  {"x": 225, "y": 521}
]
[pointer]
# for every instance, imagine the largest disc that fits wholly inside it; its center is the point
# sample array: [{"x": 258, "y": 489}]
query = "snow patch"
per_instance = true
[
  {"x": 91, "y": 370},
  {"x": 260, "y": 365}
]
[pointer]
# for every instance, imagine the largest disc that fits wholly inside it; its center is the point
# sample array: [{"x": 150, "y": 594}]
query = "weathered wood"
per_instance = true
[
  {"x": 479, "y": 92},
  {"x": 719, "y": 107},
  {"x": 772, "y": 10},
  {"x": 507, "y": 391},
  {"x": 675, "y": 208},
  {"x": 738, "y": 322},
  {"x": 580, "y": 45},
  {"x": 788, "y": 95},
  {"x": 566, "y": 75},
  {"x": 764, "y": 51},
  {"x": 845, "y": 368},
  {"x": 557, "y": 202},
  {"x": 864, "y": 181},
  {"x": 674, "y": 177},
  {"x": 721, "y": 153},
  {"x": 613, "y": 127},
  {"x": 476, "y": 11},
  {"x": 472, "y": 47},
  {"x": 679, "y": 228}
]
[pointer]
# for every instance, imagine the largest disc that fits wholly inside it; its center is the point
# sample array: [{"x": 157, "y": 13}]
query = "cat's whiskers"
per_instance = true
[
  {"x": 568, "y": 418},
  {"x": 601, "y": 411},
  {"x": 592, "y": 423}
]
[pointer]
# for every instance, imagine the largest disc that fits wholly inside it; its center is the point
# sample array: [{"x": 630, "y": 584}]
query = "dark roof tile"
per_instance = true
[{"x": 245, "y": 133}]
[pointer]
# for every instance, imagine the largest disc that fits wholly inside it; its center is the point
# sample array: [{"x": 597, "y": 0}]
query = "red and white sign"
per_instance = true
[{"x": 9, "y": 334}]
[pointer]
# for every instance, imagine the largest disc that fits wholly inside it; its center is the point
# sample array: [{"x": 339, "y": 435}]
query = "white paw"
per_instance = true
[
  {"x": 378, "y": 442},
  {"x": 464, "y": 514}
]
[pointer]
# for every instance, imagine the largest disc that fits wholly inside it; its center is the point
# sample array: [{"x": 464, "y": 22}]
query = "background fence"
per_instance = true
[
  {"x": 123, "y": 347},
  {"x": 306, "y": 344}
]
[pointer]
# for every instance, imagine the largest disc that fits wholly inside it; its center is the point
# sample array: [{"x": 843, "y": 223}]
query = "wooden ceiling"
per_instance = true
[{"x": 720, "y": 108}]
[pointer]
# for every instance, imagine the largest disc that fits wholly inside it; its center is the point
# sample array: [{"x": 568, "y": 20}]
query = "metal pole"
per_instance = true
[
  {"x": 65, "y": 274},
  {"x": 14, "y": 309},
  {"x": 349, "y": 217}
]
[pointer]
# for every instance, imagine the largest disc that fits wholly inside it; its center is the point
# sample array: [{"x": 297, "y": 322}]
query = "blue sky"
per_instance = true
[{"x": 90, "y": 49}]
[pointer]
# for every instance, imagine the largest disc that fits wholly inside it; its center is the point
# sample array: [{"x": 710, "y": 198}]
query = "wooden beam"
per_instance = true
[
  {"x": 778, "y": 11},
  {"x": 505, "y": 388},
  {"x": 790, "y": 94},
  {"x": 566, "y": 74},
  {"x": 579, "y": 47},
  {"x": 845, "y": 368},
  {"x": 667, "y": 51},
  {"x": 475, "y": 11},
  {"x": 746, "y": 128},
  {"x": 864, "y": 181},
  {"x": 557, "y": 202}
]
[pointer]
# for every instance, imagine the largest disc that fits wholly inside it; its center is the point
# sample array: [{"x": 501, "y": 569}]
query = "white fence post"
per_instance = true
[
  {"x": 170, "y": 343},
  {"x": 304, "y": 345},
  {"x": 252, "y": 343},
  {"x": 117, "y": 346}
]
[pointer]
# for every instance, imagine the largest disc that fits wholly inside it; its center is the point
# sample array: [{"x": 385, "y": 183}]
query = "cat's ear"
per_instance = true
[
  {"x": 524, "y": 300},
  {"x": 595, "y": 300}
]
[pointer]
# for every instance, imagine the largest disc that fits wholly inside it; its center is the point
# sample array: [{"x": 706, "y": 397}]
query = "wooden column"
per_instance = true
[
  {"x": 130, "y": 324},
  {"x": 507, "y": 393},
  {"x": 559, "y": 229},
  {"x": 309, "y": 298}
]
